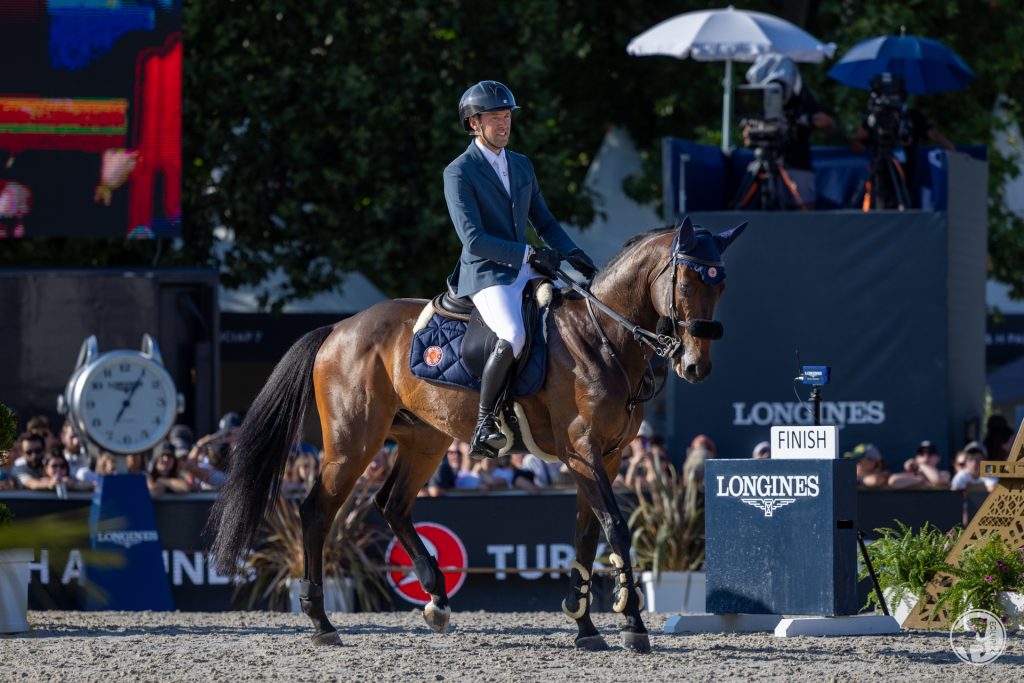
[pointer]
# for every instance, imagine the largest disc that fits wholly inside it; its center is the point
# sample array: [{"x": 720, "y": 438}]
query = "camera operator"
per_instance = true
[
  {"x": 895, "y": 127},
  {"x": 802, "y": 116}
]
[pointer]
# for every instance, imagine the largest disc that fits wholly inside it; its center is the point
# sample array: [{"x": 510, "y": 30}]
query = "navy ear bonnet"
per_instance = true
[{"x": 701, "y": 251}]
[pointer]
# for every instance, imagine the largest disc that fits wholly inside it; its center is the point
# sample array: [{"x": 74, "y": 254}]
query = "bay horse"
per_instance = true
[{"x": 590, "y": 407}]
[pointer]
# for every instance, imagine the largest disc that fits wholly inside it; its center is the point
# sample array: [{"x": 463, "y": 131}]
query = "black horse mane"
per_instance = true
[{"x": 627, "y": 248}]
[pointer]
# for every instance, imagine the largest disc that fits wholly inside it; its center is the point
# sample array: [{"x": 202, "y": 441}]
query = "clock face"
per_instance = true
[{"x": 125, "y": 402}]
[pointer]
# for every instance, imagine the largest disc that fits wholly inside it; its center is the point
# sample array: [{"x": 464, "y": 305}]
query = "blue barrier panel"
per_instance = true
[
  {"x": 122, "y": 520},
  {"x": 781, "y": 537}
]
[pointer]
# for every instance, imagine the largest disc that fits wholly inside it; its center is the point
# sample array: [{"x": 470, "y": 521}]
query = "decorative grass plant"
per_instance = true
[
  {"x": 353, "y": 550},
  {"x": 8, "y": 432},
  {"x": 668, "y": 535}
]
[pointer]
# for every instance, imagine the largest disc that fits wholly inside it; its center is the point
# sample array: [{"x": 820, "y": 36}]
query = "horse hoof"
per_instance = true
[
  {"x": 591, "y": 643},
  {"x": 326, "y": 638},
  {"x": 636, "y": 642},
  {"x": 437, "y": 617}
]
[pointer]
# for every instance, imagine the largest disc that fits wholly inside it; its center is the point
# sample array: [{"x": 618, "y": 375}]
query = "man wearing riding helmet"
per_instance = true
[{"x": 491, "y": 193}]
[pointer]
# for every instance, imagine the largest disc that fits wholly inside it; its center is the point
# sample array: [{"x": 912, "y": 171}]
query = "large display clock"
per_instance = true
[{"x": 121, "y": 401}]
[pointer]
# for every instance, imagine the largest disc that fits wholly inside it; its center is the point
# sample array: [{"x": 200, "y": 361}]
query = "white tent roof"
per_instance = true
[
  {"x": 354, "y": 295},
  {"x": 615, "y": 161}
]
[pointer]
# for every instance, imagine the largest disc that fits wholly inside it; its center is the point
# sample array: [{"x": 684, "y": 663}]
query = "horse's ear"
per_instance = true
[
  {"x": 724, "y": 239},
  {"x": 686, "y": 239}
]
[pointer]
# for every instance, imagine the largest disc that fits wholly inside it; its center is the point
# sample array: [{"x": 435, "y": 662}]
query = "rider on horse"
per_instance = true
[{"x": 491, "y": 193}]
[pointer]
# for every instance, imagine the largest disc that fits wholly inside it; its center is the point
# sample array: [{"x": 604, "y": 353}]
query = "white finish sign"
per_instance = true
[{"x": 808, "y": 443}]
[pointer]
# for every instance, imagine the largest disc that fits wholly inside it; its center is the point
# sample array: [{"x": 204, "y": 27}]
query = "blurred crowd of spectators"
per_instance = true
[
  {"x": 44, "y": 461},
  {"x": 923, "y": 469}
]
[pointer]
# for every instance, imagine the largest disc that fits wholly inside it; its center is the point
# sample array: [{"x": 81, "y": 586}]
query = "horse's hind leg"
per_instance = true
[
  {"x": 419, "y": 453},
  {"x": 317, "y": 513},
  {"x": 349, "y": 446},
  {"x": 594, "y": 483},
  {"x": 580, "y": 596}
]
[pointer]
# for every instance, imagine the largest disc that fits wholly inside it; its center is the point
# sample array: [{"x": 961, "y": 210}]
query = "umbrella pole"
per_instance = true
[{"x": 727, "y": 106}]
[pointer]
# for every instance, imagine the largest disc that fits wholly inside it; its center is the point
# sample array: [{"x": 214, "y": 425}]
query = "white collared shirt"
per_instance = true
[{"x": 499, "y": 162}]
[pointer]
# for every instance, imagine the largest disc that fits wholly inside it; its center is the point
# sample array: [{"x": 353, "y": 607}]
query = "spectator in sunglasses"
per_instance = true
[{"x": 28, "y": 472}]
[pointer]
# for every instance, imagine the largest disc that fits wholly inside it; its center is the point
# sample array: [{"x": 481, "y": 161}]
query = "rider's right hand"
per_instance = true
[{"x": 545, "y": 261}]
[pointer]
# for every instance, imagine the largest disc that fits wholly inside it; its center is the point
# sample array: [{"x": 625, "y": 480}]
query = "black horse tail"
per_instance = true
[{"x": 256, "y": 464}]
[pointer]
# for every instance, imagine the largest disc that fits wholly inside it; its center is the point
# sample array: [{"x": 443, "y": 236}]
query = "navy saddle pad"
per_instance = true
[{"x": 436, "y": 356}]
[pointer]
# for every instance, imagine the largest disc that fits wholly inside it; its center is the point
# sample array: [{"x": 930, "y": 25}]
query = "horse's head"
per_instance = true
[{"x": 688, "y": 291}]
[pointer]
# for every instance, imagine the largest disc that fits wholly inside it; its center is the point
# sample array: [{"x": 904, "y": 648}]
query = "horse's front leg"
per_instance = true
[
  {"x": 594, "y": 483},
  {"x": 576, "y": 604}
]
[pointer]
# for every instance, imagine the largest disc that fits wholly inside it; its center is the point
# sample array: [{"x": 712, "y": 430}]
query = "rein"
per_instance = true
[{"x": 664, "y": 345}]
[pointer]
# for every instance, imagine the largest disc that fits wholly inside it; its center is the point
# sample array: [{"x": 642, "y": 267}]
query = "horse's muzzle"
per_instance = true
[{"x": 703, "y": 329}]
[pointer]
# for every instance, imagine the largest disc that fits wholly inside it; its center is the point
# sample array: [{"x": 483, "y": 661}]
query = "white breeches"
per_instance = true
[{"x": 501, "y": 307}]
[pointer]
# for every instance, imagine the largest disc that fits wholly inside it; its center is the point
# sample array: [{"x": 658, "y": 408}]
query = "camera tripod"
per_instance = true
[
  {"x": 766, "y": 185},
  {"x": 886, "y": 184}
]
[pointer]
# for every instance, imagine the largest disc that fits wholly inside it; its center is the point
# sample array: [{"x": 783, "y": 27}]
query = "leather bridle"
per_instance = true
[{"x": 663, "y": 341}]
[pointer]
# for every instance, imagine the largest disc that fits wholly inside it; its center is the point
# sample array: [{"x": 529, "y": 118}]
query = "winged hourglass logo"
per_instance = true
[{"x": 769, "y": 505}]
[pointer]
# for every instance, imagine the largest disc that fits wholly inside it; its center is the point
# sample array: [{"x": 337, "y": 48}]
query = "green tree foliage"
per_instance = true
[
  {"x": 319, "y": 132},
  {"x": 316, "y": 132}
]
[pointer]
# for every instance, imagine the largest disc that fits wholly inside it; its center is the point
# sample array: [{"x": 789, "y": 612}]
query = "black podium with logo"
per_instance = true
[{"x": 781, "y": 537}]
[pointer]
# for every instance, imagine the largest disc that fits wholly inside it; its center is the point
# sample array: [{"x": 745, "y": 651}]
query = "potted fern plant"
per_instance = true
[
  {"x": 353, "y": 559},
  {"x": 905, "y": 562},
  {"x": 990, "y": 576},
  {"x": 668, "y": 541},
  {"x": 14, "y": 561}
]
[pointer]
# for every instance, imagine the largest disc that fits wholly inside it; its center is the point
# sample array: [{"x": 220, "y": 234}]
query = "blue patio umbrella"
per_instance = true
[{"x": 926, "y": 66}]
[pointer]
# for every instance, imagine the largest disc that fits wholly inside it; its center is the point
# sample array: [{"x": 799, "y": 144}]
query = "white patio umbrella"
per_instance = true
[{"x": 728, "y": 35}]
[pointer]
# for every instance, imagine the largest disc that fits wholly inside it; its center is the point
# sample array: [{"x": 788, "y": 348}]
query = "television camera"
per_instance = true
[
  {"x": 762, "y": 114},
  {"x": 769, "y": 128},
  {"x": 885, "y": 186},
  {"x": 886, "y": 106}
]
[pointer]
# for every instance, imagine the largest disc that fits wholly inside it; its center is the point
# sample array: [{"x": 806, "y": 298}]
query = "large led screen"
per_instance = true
[{"x": 90, "y": 118}]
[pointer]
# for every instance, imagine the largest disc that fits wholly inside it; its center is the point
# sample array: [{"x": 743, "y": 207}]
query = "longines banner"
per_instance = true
[
  {"x": 876, "y": 297},
  {"x": 511, "y": 536}
]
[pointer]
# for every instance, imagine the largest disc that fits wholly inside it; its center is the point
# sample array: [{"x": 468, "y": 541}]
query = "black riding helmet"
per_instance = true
[{"x": 484, "y": 96}]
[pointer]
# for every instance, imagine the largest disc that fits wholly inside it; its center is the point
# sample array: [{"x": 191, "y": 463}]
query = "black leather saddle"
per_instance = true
[{"x": 480, "y": 340}]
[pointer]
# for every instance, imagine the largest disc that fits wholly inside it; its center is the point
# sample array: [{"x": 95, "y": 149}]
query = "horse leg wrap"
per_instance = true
[
  {"x": 580, "y": 594},
  {"x": 309, "y": 593},
  {"x": 429, "y": 574},
  {"x": 624, "y": 578}
]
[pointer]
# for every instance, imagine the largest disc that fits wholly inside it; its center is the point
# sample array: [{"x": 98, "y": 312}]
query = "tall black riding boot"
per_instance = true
[{"x": 488, "y": 439}]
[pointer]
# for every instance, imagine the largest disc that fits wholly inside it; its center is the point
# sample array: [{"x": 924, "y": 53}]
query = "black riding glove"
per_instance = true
[
  {"x": 581, "y": 262},
  {"x": 545, "y": 261}
]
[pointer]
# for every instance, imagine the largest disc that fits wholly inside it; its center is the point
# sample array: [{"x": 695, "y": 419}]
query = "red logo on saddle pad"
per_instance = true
[
  {"x": 433, "y": 355},
  {"x": 443, "y": 544}
]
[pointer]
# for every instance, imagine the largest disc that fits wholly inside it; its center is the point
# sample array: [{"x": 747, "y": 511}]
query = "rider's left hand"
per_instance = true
[{"x": 582, "y": 263}]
